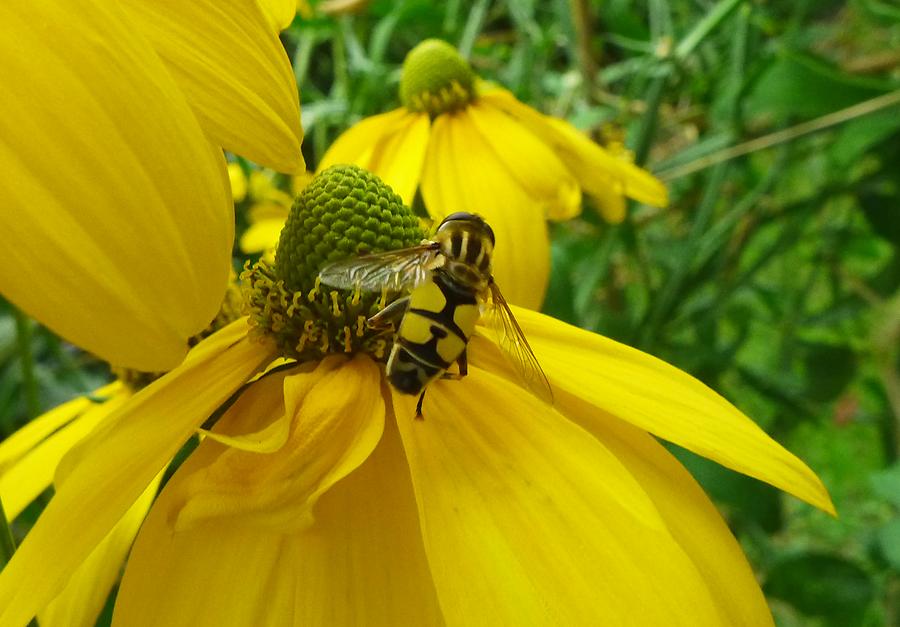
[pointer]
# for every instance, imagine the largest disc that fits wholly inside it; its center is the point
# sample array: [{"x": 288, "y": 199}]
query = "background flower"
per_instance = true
[{"x": 472, "y": 147}]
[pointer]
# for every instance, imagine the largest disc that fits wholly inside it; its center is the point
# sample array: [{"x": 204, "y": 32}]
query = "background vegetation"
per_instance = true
[{"x": 774, "y": 276}]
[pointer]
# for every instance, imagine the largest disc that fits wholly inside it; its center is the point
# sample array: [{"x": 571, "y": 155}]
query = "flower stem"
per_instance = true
[
  {"x": 779, "y": 137},
  {"x": 29, "y": 383}
]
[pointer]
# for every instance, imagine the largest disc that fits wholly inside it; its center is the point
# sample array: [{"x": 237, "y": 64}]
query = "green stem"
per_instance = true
[
  {"x": 647, "y": 129},
  {"x": 29, "y": 383},
  {"x": 704, "y": 27}
]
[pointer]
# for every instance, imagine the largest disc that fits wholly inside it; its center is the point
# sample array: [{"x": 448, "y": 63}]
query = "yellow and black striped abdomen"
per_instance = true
[{"x": 433, "y": 333}]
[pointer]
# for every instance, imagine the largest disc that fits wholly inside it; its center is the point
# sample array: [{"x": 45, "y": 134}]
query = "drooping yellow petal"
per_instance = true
[
  {"x": 659, "y": 398},
  {"x": 462, "y": 173},
  {"x": 106, "y": 176},
  {"x": 689, "y": 515},
  {"x": 528, "y": 519},
  {"x": 30, "y": 435},
  {"x": 336, "y": 415},
  {"x": 103, "y": 476},
  {"x": 33, "y": 473},
  {"x": 599, "y": 172},
  {"x": 361, "y": 563},
  {"x": 231, "y": 65},
  {"x": 84, "y": 597},
  {"x": 392, "y": 145},
  {"x": 528, "y": 160}
]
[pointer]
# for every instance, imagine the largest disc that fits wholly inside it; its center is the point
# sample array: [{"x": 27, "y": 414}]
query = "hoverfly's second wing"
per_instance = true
[
  {"x": 394, "y": 270},
  {"x": 514, "y": 345}
]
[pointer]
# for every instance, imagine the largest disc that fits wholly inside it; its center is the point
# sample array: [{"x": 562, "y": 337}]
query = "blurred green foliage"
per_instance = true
[{"x": 774, "y": 276}]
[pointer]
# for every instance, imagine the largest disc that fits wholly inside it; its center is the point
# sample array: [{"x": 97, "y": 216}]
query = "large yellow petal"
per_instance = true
[
  {"x": 690, "y": 516},
  {"x": 599, "y": 172},
  {"x": 657, "y": 397},
  {"x": 462, "y": 173},
  {"x": 117, "y": 219},
  {"x": 361, "y": 563},
  {"x": 529, "y": 520},
  {"x": 336, "y": 414},
  {"x": 84, "y": 597},
  {"x": 231, "y": 65},
  {"x": 33, "y": 473},
  {"x": 107, "y": 471},
  {"x": 528, "y": 160},
  {"x": 392, "y": 145},
  {"x": 688, "y": 513}
]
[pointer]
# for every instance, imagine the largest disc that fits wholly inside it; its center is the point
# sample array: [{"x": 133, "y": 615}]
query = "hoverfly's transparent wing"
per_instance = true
[
  {"x": 515, "y": 347},
  {"x": 394, "y": 270}
]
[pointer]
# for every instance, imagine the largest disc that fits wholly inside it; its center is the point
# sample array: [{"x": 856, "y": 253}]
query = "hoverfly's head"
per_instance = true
[
  {"x": 467, "y": 243},
  {"x": 472, "y": 222}
]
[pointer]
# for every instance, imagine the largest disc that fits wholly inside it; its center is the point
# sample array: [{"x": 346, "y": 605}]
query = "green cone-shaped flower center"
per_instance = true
[
  {"x": 436, "y": 79},
  {"x": 344, "y": 211}
]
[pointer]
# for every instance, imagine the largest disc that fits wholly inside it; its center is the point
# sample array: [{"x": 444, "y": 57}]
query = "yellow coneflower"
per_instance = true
[
  {"x": 317, "y": 498},
  {"x": 471, "y": 146},
  {"x": 112, "y": 167}
]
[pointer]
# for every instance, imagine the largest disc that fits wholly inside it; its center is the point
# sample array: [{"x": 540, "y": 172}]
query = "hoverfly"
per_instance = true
[{"x": 450, "y": 283}]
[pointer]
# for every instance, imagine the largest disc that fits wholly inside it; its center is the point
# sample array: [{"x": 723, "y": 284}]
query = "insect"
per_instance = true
[{"x": 450, "y": 283}]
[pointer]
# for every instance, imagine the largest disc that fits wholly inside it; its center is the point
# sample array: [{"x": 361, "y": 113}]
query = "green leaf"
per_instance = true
[
  {"x": 886, "y": 484},
  {"x": 806, "y": 86},
  {"x": 822, "y": 585},
  {"x": 888, "y": 539}
]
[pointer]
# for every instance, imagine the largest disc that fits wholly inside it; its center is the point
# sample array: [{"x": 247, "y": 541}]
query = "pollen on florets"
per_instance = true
[
  {"x": 344, "y": 211},
  {"x": 436, "y": 79}
]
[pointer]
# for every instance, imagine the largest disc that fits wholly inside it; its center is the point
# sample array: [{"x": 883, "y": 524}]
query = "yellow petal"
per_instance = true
[
  {"x": 599, "y": 172},
  {"x": 238, "y": 181},
  {"x": 107, "y": 175},
  {"x": 659, "y": 398},
  {"x": 261, "y": 236},
  {"x": 84, "y": 597},
  {"x": 336, "y": 417},
  {"x": 528, "y": 160},
  {"x": 33, "y": 473},
  {"x": 19, "y": 443},
  {"x": 690, "y": 516},
  {"x": 462, "y": 173},
  {"x": 528, "y": 519},
  {"x": 280, "y": 12},
  {"x": 231, "y": 65},
  {"x": 108, "y": 470},
  {"x": 392, "y": 145},
  {"x": 361, "y": 563}
]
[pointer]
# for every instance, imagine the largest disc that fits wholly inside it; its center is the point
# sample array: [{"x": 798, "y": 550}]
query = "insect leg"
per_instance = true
[
  {"x": 390, "y": 314},
  {"x": 419, "y": 415},
  {"x": 463, "y": 363}
]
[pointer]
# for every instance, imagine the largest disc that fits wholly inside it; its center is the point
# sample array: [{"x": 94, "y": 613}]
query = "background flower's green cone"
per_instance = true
[
  {"x": 344, "y": 211},
  {"x": 436, "y": 79}
]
